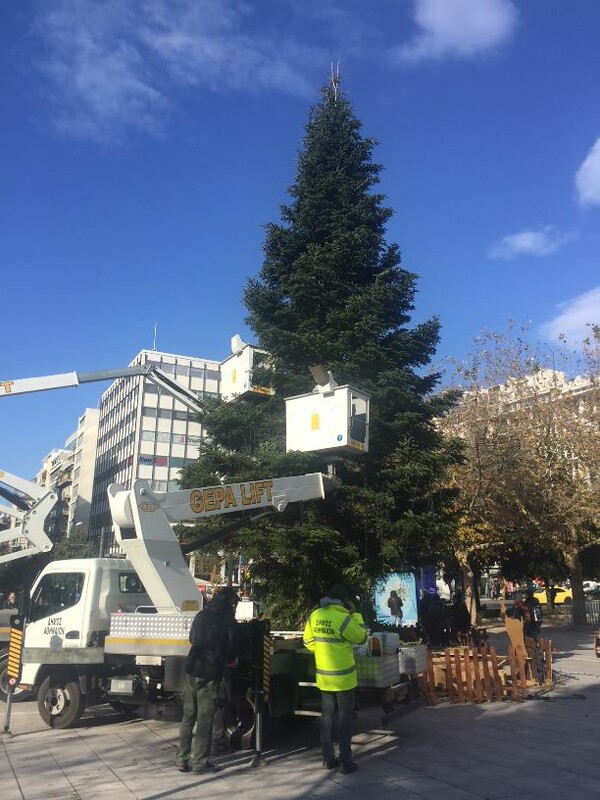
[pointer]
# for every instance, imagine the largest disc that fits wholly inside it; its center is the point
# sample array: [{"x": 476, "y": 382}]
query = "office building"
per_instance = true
[
  {"x": 85, "y": 441},
  {"x": 56, "y": 473},
  {"x": 143, "y": 432}
]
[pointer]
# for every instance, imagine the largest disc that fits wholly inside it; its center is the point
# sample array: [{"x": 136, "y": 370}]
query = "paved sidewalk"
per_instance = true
[{"x": 546, "y": 747}]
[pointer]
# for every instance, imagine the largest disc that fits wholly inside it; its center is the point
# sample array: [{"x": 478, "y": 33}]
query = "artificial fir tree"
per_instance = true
[{"x": 332, "y": 292}]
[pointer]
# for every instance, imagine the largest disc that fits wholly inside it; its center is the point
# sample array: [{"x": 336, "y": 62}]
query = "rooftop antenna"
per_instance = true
[
  {"x": 335, "y": 79},
  {"x": 154, "y": 339}
]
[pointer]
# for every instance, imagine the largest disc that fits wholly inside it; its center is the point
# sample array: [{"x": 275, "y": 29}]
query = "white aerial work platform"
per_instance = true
[
  {"x": 331, "y": 419},
  {"x": 237, "y": 371}
]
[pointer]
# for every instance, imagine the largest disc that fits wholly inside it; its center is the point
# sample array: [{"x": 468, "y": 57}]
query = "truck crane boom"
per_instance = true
[
  {"x": 66, "y": 380},
  {"x": 30, "y": 503},
  {"x": 342, "y": 421},
  {"x": 143, "y": 522},
  {"x": 30, "y": 506}
]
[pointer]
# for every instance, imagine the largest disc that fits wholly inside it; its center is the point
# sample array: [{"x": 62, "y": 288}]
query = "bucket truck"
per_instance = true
[
  {"x": 116, "y": 629},
  {"x": 29, "y": 503}
]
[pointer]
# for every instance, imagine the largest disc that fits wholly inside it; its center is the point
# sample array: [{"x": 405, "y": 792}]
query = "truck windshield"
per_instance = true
[{"x": 56, "y": 592}]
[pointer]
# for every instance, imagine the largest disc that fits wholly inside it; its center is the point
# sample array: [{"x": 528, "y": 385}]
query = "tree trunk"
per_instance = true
[
  {"x": 549, "y": 593},
  {"x": 576, "y": 574},
  {"x": 470, "y": 591}
]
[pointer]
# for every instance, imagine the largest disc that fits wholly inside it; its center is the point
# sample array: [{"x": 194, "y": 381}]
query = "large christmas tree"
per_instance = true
[{"x": 332, "y": 292}]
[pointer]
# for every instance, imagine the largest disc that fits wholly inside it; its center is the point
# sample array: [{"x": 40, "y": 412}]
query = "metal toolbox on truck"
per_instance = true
[{"x": 149, "y": 634}]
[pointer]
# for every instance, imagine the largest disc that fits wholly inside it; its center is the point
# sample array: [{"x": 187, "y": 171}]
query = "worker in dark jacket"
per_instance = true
[
  {"x": 460, "y": 619},
  {"x": 213, "y": 639}
]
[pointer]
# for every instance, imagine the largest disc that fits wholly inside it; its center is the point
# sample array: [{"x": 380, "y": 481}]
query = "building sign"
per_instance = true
[{"x": 157, "y": 461}]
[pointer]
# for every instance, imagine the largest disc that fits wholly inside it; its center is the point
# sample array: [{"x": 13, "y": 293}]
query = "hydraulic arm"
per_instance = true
[
  {"x": 30, "y": 507},
  {"x": 143, "y": 522},
  {"x": 65, "y": 380}
]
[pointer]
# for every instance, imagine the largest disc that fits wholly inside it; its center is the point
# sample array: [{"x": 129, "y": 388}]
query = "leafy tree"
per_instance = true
[
  {"x": 332, "y": 292},
  {"x": 18, "y": 575},
  {"x": 529, "y": 483},
  {"x": 75, "y": 546}
]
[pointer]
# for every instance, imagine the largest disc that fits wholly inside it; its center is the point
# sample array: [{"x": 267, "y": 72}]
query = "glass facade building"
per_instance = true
[{"x": 143, "y": 432}]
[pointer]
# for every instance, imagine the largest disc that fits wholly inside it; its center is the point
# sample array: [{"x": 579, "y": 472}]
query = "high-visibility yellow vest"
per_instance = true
[{"x": 330, "y": 633}]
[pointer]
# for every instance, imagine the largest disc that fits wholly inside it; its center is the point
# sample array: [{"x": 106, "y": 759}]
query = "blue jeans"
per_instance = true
[{"x": 343, "y": 702}]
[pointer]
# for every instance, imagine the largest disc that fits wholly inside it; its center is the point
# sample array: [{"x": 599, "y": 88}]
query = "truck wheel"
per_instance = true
[
  {"x": 60, "y": 704},
  {"x": 19, "y": 694}
]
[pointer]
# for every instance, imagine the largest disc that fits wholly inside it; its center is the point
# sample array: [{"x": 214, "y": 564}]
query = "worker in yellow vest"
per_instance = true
[{"x": 330, "y": 633}]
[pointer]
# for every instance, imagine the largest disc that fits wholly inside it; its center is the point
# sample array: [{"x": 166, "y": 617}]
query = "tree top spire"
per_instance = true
[{"x": 335, "y": 79}]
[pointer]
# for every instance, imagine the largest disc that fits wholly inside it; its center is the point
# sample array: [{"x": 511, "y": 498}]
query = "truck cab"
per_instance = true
[{"x": 71, "y": 603}]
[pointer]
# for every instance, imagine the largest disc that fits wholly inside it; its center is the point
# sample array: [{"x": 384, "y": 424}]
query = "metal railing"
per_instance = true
[{"x": 591, "y": 617}]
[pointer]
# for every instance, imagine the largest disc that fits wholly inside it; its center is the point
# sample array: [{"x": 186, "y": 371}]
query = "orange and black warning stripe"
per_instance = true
[
  {"x": 15, "y": 651},
  {"x": 266, "y": 663}
]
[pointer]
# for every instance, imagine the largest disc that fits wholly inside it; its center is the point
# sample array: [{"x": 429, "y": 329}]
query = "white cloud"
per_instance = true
[
  {"x": 115, "y": 66},
  {"x": 214, "y": 43},
  {"x": 99, "y": 77},
  {"x": 461, "y": 28},
  {"x": 539, "y": 243},
  {"x": 587, "y": 179},
  {"x": 574, "y": 317}
]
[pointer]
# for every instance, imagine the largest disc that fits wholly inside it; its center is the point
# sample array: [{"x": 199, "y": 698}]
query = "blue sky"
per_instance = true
[{"x": 145, "y": 143}]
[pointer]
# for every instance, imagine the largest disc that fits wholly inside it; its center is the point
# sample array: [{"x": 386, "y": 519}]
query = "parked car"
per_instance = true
[
  {"x": 591, "y": 586},
  {"x": 562, "y": 596}
]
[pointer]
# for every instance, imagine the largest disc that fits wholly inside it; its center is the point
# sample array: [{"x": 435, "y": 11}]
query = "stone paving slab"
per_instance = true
[{"x": 545, "y": 747}]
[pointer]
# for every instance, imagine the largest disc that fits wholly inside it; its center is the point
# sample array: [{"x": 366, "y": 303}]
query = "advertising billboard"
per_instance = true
[{"x": 396, "y": 599}]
